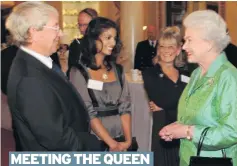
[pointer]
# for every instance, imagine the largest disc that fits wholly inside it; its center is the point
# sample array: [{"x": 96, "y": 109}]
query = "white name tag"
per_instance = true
[
  {"x": 185, "y": 78},
  {"x": 94, "y": 84}
]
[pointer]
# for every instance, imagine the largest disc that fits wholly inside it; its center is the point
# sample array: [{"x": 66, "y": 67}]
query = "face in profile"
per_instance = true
[
  {"x": 195, "y": 47},
  {"x": 107, "y": 41},
  {"x": 168, "y": 50},
  {"x": 83, "y": 21},
  {"x": 49, "y": 37}
]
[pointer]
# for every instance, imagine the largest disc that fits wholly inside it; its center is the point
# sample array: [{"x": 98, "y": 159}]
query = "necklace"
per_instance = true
[{"x": 105, "y": 76}]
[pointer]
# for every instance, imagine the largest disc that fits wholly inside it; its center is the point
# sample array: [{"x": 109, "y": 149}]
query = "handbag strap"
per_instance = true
[{"x": 203, "y": 134}]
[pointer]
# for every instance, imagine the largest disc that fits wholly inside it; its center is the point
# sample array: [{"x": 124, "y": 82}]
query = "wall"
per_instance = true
[
  {"x": 231, "y": 19},
  {"x": 58, "y": 6},
  {"x": 150, "y": 15},
  {"x": 109, "y": 10},
  {"x": 70, "y": 10}
]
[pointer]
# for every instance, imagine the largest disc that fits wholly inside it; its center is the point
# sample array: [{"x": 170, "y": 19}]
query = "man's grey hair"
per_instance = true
[
  {"x": 25, "y": 16},
  {"x": 212, "y": 26}
]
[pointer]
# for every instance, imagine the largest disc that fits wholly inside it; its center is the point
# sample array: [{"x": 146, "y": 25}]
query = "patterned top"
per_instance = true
[{"x": 211, "y": 101}]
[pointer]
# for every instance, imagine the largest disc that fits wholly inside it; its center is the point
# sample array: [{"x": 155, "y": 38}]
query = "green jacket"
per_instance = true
[{"x": 211, "y": 101}]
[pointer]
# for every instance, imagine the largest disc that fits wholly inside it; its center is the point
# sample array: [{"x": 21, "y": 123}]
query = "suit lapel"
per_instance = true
[
  {"x": 49, "y": 73},
  {"x": 148, "y": 43}
]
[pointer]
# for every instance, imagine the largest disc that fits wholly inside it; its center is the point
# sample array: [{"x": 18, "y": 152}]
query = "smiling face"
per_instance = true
[
  {"x": 168, "y": 50},
  {"x": 195, "y": 47},
  {"x": 106, "y": 41}
]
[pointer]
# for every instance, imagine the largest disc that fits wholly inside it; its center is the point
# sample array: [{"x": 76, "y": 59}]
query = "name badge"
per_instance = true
[
  {"x": 94, "y": 84},
  {"x": 185, "y": 78}
]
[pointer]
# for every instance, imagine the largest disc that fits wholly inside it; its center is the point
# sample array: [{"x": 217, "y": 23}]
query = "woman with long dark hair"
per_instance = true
[{"x": 102, "y": 85}]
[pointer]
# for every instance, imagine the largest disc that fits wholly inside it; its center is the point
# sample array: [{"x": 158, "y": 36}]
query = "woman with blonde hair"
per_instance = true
[{"x": 164, "y": 84}]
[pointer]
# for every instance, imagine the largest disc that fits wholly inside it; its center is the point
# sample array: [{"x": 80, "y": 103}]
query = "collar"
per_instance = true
[
  {"x": 197, "y": 82},
  {"x": 154, "y": 41},
  {"x": 216, "y": 64},
  {"x": 47, "y": 61}
]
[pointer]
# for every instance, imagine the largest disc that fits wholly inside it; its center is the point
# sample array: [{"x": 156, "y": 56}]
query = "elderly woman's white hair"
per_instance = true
[
  {"x": 212, "y": 26},
  {"x": 26, "y": 15}
]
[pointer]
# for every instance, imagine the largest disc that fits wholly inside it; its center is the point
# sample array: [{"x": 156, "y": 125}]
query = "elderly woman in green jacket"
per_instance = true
[{"x": 210, "y": 98}]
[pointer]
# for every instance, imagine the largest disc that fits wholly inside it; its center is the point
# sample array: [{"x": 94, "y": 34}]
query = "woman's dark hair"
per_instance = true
[
  {"x": 95, "y": 28},
  {"x": 61, "y": 46}
]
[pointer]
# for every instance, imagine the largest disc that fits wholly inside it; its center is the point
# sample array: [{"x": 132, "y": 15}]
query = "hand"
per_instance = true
[
  {"x": 114, "y": 147},
  {"x": 155, "y": 60},
  {"x": 154, "y": 107},
  {"x": 123, "y": 146},
  {"x": 165, "y": 133},
  {"x": 174, "y": 131}
]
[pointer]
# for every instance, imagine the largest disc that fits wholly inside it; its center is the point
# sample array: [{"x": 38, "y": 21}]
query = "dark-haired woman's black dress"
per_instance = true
[{"x": 165, "y": 94}]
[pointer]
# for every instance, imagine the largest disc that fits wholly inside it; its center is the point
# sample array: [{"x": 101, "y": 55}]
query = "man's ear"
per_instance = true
[{"x": 32, "y": 33}]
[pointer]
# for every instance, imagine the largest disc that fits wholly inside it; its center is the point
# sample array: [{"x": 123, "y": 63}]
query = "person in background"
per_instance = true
[
  {"x": 61, "y": 57},
  {"x": 84, "y": 17},
  {"x": 102, "y": 85},
  {"x": 186, "y": 67},
  {"x": 146, "y": 50},
  {"x": 47, "y": 112},
  {"x": 209, "y": 99},
  {"x": 63, "y": 54},
  {"x": 164, "y": 84}
]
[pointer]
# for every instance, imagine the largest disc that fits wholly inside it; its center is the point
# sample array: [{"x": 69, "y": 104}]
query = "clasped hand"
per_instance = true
[
  {"x": 173, "y": 131},
  {"x": 154, "y": 107},
  {"x": 119, "y": 146}
]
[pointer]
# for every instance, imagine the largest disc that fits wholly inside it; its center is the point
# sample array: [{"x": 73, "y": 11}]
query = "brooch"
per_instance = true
[
  {"x": 161, "y": 75},
  {"x": 211, "y": 81}
]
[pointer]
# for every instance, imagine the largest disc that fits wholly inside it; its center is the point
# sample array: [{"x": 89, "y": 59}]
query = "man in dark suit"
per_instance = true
[
  {"x": 47, "y": 111},
  {"x": 146, "y": 50},
  {"x": 231, "y": 53},
  {"x": 84, "y": 18}
]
